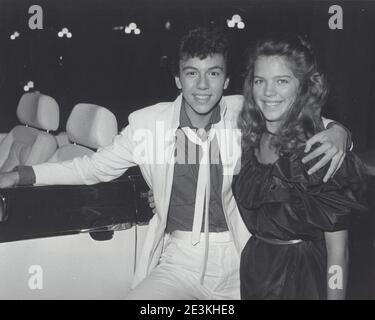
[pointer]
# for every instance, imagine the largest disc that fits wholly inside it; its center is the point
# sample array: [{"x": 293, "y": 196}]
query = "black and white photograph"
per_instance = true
[{"x": 186, "y": 150}]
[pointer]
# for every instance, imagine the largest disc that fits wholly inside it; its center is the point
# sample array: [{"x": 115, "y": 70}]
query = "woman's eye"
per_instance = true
[
  {"x": 282, "y": 81},
  {"x": 258, "y": 81}
]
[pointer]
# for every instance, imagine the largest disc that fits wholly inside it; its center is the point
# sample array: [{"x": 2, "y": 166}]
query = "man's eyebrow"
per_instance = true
[
  {"x": 189, "y": 67},
  {"x": 216, "y": 67},
  {"x": 210, "y": 68}
]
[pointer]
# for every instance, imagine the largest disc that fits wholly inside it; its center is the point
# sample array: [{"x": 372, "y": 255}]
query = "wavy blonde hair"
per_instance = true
[{"x": 303, "y": 119}]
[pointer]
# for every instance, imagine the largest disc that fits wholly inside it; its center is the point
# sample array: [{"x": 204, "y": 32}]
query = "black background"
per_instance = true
[{"x": 126, "y": 72}]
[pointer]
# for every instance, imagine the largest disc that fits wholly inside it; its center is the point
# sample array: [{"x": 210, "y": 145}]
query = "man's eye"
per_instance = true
[
  {"x": 214, "y": 73},
  {"x": 191, "y": 73}
]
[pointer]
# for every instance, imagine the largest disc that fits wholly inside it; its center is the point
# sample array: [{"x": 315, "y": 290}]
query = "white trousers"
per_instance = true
[{"x": 177, "y": 276}]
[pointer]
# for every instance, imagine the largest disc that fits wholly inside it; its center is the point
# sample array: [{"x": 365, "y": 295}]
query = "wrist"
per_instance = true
[
  {"x": 16, "y": 178},
  {"x": 24, "y": 175},
  {"x": 349, "y": 141}
]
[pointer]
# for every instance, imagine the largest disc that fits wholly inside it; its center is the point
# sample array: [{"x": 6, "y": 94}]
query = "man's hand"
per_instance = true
[
  {"x": 333, "y": 146},
  {"x": 9, "y": 179},
  {"x": 151, "y": 201}
]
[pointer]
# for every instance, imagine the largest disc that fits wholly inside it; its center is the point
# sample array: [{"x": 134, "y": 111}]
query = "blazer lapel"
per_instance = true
[
  {"x": 164, "y": 172},
  {"x": 229, "y": 140}
]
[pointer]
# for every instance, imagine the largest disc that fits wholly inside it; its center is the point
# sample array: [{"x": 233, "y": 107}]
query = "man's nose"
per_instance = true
[{"x": 203, "y": 82}]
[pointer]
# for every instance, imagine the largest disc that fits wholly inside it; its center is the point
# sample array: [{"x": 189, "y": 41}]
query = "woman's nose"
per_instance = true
[{"x": 269, "y": 89}]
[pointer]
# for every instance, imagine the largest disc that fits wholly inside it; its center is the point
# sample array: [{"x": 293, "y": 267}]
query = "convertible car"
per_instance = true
[{"x": 67, "y": 242}]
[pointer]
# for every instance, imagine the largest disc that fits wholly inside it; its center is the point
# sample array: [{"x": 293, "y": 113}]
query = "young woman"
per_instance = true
[{"x": 299, "y": 243}]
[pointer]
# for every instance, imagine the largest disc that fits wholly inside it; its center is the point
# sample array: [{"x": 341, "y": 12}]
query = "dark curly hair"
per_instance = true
[
  {"x": 303, "y": 119},
  {"x": 201, "y": 42}
]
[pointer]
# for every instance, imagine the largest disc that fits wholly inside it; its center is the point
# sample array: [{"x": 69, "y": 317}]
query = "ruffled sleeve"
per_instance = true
[{"x": 326, "y": 206}]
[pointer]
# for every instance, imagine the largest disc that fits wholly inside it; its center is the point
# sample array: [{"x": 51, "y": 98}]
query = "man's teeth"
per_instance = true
[{"x": 202, "y": 97}]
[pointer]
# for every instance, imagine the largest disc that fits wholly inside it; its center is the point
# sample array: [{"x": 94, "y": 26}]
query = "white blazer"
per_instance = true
[{"x": 149, "y": 141}]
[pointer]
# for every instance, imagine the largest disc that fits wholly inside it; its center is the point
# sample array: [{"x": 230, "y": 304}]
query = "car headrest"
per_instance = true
[
  {"x": 39, "y": 111},
  {"x": 91, "y": 125}
]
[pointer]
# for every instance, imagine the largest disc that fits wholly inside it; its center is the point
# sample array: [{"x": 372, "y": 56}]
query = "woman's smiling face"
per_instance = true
[{"x": 275, "y": 88}]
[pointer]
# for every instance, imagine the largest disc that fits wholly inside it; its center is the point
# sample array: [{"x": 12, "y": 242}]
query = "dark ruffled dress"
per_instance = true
[{"x": 281, "y": 201}]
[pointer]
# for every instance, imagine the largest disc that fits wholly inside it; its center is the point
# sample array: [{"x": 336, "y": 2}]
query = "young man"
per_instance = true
[{"x": 180, "y": 258}]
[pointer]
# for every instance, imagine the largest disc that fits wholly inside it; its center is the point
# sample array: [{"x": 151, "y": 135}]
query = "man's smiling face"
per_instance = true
[{"x": 202, "y": 82}]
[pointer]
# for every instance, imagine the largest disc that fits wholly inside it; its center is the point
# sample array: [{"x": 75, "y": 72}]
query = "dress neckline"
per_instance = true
[
  {"x": 256, "y": 161},
  {"x": 255, "y": 155}
]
